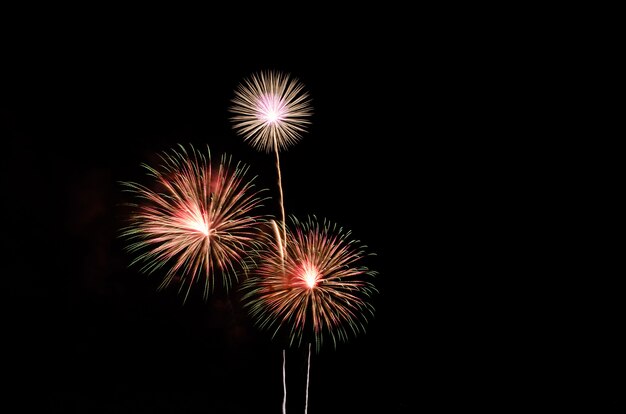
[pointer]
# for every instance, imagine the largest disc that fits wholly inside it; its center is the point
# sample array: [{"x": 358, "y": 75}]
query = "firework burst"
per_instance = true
[
  {"x": 196, "y": 220},
  {"x": 317, "y": 290},
  {"x": 271, "y": 110}
]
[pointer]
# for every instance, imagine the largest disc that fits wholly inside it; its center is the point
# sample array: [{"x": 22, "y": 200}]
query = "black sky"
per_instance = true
[{"x": 398, "y": 152}]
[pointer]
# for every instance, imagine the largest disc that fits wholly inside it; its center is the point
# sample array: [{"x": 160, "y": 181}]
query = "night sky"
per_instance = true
[{"x": 397, "y": 153}]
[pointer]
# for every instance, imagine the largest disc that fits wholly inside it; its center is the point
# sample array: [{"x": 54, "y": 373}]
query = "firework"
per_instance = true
[
  {"x": 271, "y": 110},
  {"x": 317, "y": 290},
  {"x": 196, "y": 219}
]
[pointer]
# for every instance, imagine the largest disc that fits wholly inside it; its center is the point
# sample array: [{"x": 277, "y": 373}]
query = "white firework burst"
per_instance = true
[{"x": 271, "y": 110}]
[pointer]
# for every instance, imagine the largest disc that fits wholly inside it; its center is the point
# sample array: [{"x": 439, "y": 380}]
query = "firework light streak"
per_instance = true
[
  {"x": 308, "y": 369},
  {"x": 196, "y": 219},
  {"x": 323, "y": 291},
  {"x": 284, "y": 386}
]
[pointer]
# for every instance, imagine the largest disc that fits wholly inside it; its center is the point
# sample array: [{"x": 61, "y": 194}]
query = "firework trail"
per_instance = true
[
  {"x": 271, "y": 110},
  {"x": 196, "y": 219},
  {"x": 308, "y": 369},
  {"x": 284, "y": 386},
  {"x": 323, "y": 292}
]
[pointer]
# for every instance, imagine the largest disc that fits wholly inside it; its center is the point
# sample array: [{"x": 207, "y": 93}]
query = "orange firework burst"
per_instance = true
[
  {"x": 271, "y": 110},
  {"x": 196, "y": 220},
  {"x": 316, "y": 288}
]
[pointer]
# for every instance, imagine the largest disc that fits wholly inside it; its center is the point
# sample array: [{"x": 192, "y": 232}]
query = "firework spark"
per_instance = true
[
  {"x": 196, "y": 220},
  {"x": 271, "y": 110},
  {"x": 321, "y": 290}
]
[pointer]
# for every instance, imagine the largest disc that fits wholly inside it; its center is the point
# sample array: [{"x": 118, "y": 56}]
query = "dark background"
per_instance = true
[{"x": 402, "y": 150}]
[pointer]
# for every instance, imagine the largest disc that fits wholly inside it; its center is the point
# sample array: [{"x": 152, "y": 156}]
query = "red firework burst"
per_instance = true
[
  {"x": 316, "y": 289},
  {"x": 196, "y": 219}
]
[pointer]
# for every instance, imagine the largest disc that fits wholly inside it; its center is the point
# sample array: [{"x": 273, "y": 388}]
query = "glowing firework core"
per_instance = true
[
  {"x": 194, "y": 219},
  {"x": 271, "y": 109},
  {"x": 310, "y": 276},
  {"x": 198, "y": 225}
]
